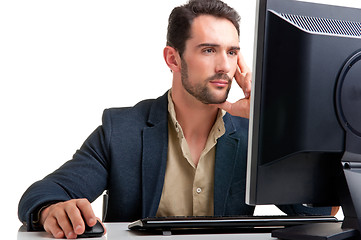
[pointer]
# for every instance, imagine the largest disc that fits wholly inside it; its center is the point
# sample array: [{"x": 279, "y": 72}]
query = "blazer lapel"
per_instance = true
[
  {"x": 226, "y": 152},
  {"x": 155, "y": 147}
]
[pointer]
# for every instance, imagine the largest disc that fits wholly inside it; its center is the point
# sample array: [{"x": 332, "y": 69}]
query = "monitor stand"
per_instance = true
[
  {"x": 316, "y": 231},
  {"x": 350, "y": 198}
]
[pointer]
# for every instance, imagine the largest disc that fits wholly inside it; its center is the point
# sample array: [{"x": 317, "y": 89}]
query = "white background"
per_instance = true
[{"x": 63, "y": 62}]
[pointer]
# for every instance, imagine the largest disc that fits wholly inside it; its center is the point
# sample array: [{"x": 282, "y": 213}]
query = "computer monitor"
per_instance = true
[{"x": 305, "y": 119}]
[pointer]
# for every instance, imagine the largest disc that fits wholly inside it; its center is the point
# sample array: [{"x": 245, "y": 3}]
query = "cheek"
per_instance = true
[
  {"x": 200, "y": 63},
  {"x": 200, "y": 67}
]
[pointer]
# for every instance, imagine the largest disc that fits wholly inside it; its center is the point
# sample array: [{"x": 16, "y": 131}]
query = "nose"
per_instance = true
[{"x": 223, "y": 63}]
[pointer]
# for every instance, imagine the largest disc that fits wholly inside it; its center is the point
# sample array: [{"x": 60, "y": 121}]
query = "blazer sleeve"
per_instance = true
[
  {"x": 299, "y": 209},
  {"x": 85, "y": 176}
]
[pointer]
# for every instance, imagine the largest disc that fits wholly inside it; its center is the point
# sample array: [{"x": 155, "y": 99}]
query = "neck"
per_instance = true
[{"x": 195, "y": 117}]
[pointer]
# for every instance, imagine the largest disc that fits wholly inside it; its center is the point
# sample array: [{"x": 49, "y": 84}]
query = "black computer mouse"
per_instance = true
[{"x": 96, "y": 231}]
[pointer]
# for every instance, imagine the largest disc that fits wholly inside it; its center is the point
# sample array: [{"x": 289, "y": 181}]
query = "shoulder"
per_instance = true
[
  {"x": 140, "y": 109},
  {"x": 137, "y": 114}
]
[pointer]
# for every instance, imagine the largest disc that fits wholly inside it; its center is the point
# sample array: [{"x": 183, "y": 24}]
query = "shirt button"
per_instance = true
[{"x": 199, "y": 190}]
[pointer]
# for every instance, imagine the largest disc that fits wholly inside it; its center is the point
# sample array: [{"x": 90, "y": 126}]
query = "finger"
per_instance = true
[
  {"x": 75, "y": 218},
  {"x": 243, "y": 67},
  {"x": 51, "y": 226},
  {"x": 244, "y": 80},
  {"x": 64, "y": 223},
  {"x": 87, "y": 211},
  {"x": 243, "y": 75},
  {"x": 247, "y": 84},
  {"x": 226, "y": 106},
  {"x": 239, "y": 108}
]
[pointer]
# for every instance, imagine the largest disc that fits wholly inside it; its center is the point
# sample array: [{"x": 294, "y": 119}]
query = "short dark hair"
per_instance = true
[{"x": 181, "y": 18}]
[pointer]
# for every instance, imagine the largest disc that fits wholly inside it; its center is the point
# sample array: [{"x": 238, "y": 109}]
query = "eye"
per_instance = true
[
  {"x": 233, "y": 52},
  {"x": 208, "y": 51}
]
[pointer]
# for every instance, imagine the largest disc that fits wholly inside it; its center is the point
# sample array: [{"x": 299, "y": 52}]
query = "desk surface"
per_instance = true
[{"x": 120, "y": 231}]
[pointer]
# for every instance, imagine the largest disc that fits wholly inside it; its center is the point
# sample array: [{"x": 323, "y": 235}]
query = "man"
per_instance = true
[{"x": 179, "y": 154}]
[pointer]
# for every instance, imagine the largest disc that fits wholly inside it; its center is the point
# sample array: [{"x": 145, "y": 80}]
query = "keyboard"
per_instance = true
[{"x": 224, "y": 224}]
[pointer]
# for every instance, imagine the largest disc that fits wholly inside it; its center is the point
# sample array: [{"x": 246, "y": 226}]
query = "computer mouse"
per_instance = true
[{"x": 96, "y": 231}]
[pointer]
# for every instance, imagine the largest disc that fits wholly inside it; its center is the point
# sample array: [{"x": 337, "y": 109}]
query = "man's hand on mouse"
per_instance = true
[
  {"x": 66, "y": 219},
  {"x": 243, "y": 78}
]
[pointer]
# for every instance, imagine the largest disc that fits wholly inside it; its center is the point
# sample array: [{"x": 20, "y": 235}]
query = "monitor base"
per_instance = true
[{"x": 317, "y": 231}]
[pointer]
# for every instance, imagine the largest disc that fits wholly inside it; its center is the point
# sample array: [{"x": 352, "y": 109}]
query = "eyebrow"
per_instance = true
[{"x": 216, "y": 45}]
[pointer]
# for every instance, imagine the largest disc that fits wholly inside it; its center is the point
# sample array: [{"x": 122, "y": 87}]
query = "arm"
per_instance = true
[
  {"x": 67, "y": 219},
  {"x": 334, "y": 210},
  {"x": 299, "y": 209},
  {"x": 85, "y": 176}
]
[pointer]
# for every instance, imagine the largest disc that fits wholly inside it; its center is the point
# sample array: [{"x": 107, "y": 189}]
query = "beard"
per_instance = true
[{"x": 200, "y": 90}]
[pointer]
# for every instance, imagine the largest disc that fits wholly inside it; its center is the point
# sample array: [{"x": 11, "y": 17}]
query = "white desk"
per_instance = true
[{"x": 120, "y": 231}]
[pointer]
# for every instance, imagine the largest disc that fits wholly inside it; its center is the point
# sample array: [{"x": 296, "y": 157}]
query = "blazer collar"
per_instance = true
[
  {"x": 229, "y": 125},
  {"x": 226, "y": 155},
  {"x": 159, "y": 110},
  {"x": 155, "y": 149}
]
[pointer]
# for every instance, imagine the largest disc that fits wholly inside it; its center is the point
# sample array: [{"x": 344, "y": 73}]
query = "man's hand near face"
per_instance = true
[
  {"x": 66, "y": 219},
  {"x": 243, "y": 78}
]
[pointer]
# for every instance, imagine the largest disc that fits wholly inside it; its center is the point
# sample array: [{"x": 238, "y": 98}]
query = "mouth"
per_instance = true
[{"x": 220, "y": 83}]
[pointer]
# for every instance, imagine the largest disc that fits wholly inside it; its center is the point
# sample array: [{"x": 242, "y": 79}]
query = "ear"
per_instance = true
[{"x": 172, "y": 58}]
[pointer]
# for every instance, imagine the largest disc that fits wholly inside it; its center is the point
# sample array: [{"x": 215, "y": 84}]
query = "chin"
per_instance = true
[
  {"x": 216, "y": 100},
  {"x": 219, "y": 98}
]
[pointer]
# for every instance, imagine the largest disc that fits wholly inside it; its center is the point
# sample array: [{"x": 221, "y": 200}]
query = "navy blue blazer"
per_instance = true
[{"x": 127, "y": 156}]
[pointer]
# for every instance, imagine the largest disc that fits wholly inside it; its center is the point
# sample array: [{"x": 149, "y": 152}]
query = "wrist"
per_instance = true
[
  {"x": 43, "y": 213},
  {"x": 35, "y": 219}
]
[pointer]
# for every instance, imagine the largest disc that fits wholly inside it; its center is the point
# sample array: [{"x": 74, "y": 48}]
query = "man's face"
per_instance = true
[{"x": 209, "y": 61}]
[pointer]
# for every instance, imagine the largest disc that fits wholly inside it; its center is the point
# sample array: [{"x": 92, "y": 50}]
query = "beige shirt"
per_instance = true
[{"x": 188, "y": 189}]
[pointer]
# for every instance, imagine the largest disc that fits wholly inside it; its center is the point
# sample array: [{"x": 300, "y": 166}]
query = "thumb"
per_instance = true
[
  {"x": 226, "y": 106},
  {"x": 239, "y": 108}
]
